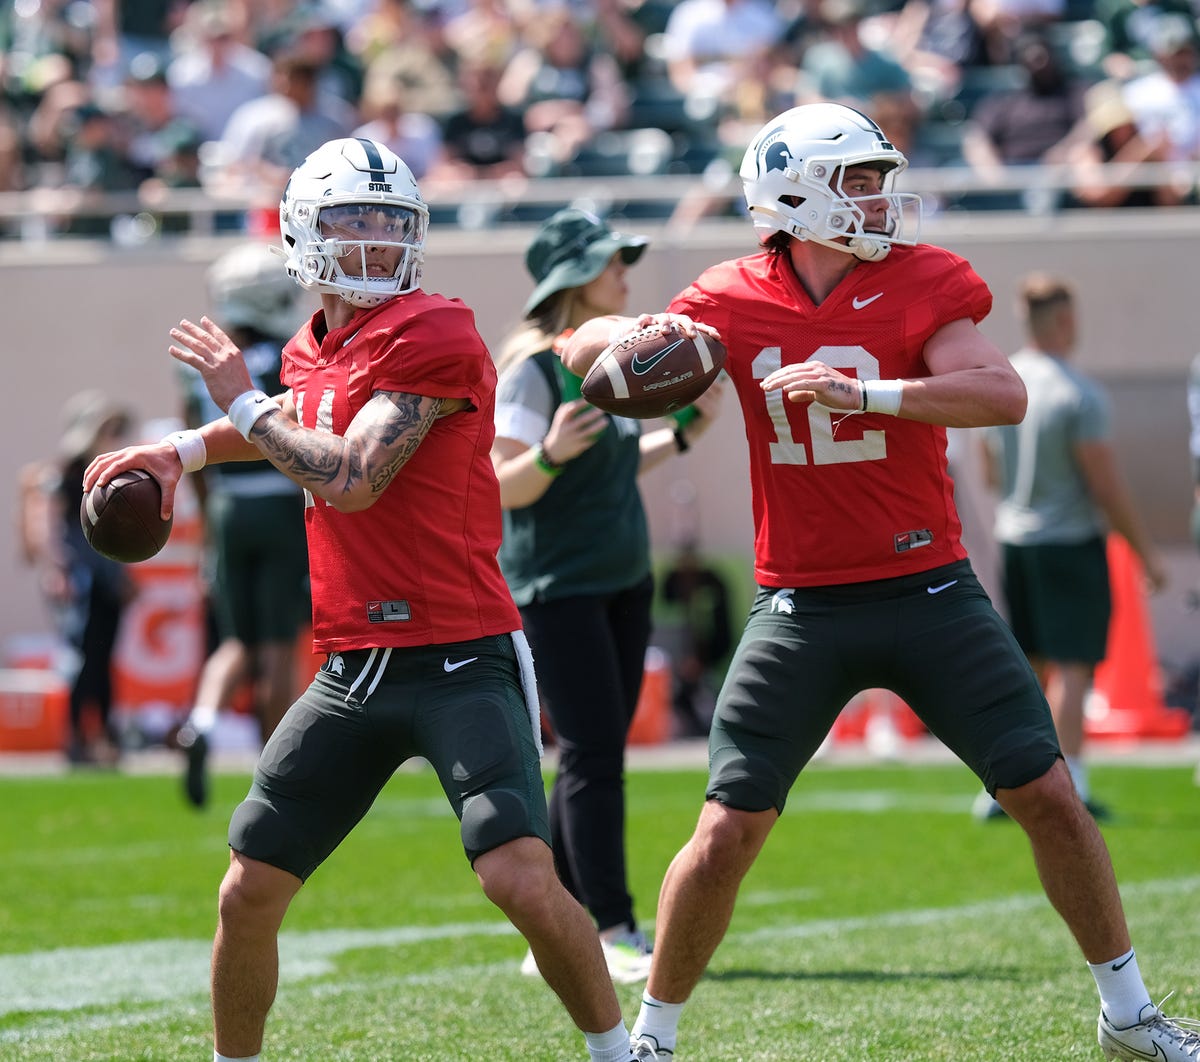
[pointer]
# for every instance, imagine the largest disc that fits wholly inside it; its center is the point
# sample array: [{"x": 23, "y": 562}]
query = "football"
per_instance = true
[
  {"x": 121, "y": 518},
  {"x": 651, "y": 373}
]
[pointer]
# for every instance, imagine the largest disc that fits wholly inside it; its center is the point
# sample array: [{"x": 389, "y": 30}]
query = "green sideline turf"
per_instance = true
[{"x": 880, "y": 923}]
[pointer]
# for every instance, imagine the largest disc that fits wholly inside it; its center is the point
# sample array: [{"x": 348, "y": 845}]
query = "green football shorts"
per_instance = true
[
  {"x": 460, "y": 705},
  {"x": 933, "y": 638},
  {"x": 1059, "y": 601}
]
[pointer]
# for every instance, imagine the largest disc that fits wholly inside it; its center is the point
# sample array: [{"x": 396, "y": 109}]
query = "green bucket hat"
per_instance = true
[{"x": 573, "y": 248}]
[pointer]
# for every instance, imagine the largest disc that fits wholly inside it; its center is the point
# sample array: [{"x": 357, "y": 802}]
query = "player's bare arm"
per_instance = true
[
  {"x": 351, "y": 471},
  {"x": 972, "y": 383},
  {"x": 592, "y": 337}
]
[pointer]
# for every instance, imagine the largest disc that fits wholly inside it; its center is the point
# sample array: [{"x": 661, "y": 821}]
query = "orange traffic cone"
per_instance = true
[{"x": 1127, "y": 693}]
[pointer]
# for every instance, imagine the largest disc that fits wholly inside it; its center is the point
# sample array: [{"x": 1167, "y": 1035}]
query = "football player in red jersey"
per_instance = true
[
  {"x": 852, "y": 348},
  {"x": 387, "y": 424}
]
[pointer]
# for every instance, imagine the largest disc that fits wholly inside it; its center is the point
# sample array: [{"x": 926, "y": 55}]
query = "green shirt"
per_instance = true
[{"x": 587, "y": 534}]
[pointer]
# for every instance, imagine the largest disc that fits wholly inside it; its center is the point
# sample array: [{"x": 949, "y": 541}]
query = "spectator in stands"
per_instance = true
[
  {"x": 1166, "y": 101},
  {"x": 713, "y": 46},
  {"x": 567, "y": 90},
  {"x": 267, "y": 138},
  {"x": 1061, "y": 492},
  {"x": 1006, "y": 22},
  {"x": 414, "y": 136},
  {"x": 1130, "y": 26},
  {"x": 148, "y": 109},
  {"x": 1027, "y": 126},
  {"x": 483, "y": 139},
  {"x": 86, "y": 591},
  {"x": 214, "y": 73},
  {"x": 312, "y": 32},
  {"x": 399, "y": 44},
  {"x": 1109, "y": 134},
  {"x": 480, "y": 29},
  {"x": 936, "y": 40},
  {"x": 126, "y": 29},
  {"x": 843, "y": 69},
  {"x": 94, "y": 165}
]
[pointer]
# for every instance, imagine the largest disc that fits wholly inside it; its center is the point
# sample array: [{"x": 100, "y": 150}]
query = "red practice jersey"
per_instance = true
[
  {"x": 419, "y": 566},
  {"x": 841, "y": 498}
]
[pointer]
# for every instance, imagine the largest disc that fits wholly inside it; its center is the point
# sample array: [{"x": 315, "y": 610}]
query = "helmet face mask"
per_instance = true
[
  {"x": 354, "y": 224},
  {"x": 794, "y": 175}
]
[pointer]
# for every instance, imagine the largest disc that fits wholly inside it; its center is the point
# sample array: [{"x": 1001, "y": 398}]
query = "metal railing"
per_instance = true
[{"x": 42, "y": 214}]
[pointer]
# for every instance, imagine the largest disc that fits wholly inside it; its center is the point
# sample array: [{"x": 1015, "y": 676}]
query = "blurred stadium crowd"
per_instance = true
[{"x": 124, "y": 119}]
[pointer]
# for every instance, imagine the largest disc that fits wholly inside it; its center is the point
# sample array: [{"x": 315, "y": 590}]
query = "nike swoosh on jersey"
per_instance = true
[
  {"x": 458, "y": 663},
  {"x": 641, "y": 366},
  {"x": 939, "y": 589},
  {"x": 859, "y": 304}
]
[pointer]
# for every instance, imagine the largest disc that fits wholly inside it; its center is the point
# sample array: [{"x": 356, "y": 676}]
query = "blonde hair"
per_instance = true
[
  {"x": 538, "y": 331},
  {"x": 1041, "y": 295}
]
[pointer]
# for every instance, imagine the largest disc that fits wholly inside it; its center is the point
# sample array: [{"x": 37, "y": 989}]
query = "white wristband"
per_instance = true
[
  {"x": 193, "y": 454},
  {"x": 245, "y": 410},
  {"x": 882, "y": 396}
]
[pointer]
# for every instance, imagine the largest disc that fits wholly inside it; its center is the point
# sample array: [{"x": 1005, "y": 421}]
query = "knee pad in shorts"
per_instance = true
[
  {"x": 259, "y": 831},
  {"x": 495, "y": 817}
]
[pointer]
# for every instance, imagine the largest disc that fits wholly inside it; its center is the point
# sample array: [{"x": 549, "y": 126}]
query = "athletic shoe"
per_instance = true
[
  {"x": 1099, "y": 812},
  {"x": 645, "y": 1047},
  {"x": 986, "y": 808},
  {"x": 195, "y": 776},
  {"x": 1155, "y": 1037},
  {"x": 627, "y": 956}
]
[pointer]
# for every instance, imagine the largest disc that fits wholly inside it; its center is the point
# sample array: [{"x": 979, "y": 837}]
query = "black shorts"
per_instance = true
[
  {"x": 932, "y": 638},
  {"x": 363, "y": 716},
  {"x": 1059, "y": 601},
  {"x": 260, "y": 566}
]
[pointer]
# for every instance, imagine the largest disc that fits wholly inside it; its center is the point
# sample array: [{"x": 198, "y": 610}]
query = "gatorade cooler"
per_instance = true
[{"x": 33, "y": 711}]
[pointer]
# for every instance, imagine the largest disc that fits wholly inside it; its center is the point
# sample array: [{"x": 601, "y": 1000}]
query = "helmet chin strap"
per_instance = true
[{"x": 862, "y": 247}]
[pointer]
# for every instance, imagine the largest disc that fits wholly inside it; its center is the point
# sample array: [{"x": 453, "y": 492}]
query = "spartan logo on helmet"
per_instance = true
[{"x": 793, "y": 173}]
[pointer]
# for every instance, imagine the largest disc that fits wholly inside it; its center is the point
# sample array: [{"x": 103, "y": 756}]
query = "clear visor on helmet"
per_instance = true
[{"x": 369, "y": 223}]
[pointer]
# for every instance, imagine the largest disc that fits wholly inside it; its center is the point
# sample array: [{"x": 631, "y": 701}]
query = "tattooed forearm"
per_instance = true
[
  {"x": 398, "y": 424},
  {"x": 383, "y": 436},
  {"x": 306, "y": 457}
]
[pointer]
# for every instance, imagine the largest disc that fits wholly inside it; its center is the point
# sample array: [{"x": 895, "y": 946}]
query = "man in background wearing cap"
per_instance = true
[
  {"x": 86, "y": 591},
  {"x": 254, "y": 518},
  {"x": 576, "y": 556}
]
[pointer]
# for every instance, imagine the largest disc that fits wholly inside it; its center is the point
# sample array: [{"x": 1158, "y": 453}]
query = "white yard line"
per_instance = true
[{"x": 149, "y": 974}]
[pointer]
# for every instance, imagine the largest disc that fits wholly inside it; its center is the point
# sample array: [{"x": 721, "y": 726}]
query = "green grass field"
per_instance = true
[{"x": 881, "y": 922}]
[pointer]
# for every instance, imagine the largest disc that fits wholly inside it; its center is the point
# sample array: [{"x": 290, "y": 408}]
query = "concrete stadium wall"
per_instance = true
[{"x": 81, "y": 316}]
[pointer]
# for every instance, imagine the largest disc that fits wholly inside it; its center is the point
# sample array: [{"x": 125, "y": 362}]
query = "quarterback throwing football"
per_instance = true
[
  {"x": 852, "y": 348},
  {"x": 387, "y": 423}
]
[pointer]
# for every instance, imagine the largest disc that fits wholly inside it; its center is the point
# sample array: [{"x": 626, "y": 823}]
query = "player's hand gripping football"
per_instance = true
[
  {"x": 814, "y": 381},
  {"x": 160, "y": 459},
  {"x": 208, "y": 350}
]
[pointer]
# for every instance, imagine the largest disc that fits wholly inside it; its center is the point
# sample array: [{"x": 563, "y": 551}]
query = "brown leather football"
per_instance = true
[
  {"x": 651, "y": 373},
  {"x": 121, "y": 518}
]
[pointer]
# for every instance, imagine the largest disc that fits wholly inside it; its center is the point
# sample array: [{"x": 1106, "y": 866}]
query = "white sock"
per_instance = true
[
  {"x": 203, "y": 718},
  {"x": 658, "y": 1019},
  {"x": 611, "y": 1046},
  {"x": 231, "y": 1058},
  {"x": 1079, "y": 777},
  {"x": 1122, "y": 994}
]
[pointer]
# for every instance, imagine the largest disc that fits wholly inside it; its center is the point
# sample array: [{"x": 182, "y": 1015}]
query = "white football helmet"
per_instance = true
[
  {"x": 356, "y": 198},
  {"x": 792, "y": 175},
  {"x": 249, "y": 288}
]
